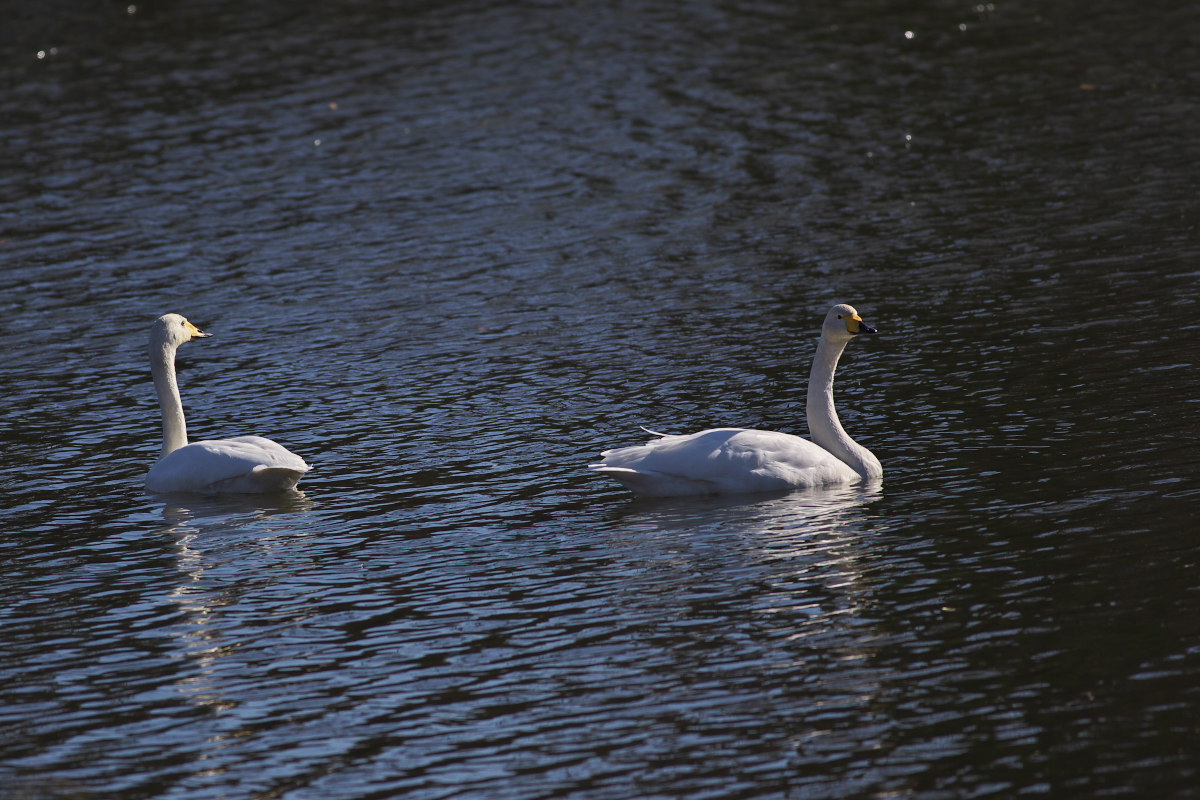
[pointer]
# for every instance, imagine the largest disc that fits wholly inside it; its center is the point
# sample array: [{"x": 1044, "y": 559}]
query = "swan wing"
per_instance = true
[
  {"x": 723, "y": 461},
  {"x": 245, "y": 464}
]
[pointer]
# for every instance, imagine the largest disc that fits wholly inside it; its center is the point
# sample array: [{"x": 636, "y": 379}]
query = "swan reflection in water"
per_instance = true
[
  {"x": 818, "y": 531},
  {"x": 798, "y": 512},
  {"x": 773, "y": 587},
  {"x": 222, "y": 545}
]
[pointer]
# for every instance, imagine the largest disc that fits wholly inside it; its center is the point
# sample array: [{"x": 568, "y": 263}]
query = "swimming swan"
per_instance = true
[
  {"x": 244, "y": 464},
  {"x": 742, "y": 460}
]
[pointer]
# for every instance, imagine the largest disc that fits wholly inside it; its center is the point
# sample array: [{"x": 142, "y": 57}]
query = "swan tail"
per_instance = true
[
  {"x": 277, "y": 479},
  {"x": 260, "y": 480}
]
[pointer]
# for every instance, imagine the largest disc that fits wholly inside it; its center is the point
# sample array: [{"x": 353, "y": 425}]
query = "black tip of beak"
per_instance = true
[{"x": 865, "y": 328}]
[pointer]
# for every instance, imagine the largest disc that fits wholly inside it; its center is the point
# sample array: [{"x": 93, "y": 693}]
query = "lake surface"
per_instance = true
[{"x": 449, "y": 252}]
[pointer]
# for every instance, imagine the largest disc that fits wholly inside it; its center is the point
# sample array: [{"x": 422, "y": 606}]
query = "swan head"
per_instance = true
[
  {"x": 843, "y": 323},
  {"x": 172, "y": 330}
]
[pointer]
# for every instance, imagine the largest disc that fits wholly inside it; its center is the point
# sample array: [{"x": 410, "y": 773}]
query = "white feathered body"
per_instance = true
[
  {"x": 723, "y": 461},
  {"x": 241, "y": 465}
]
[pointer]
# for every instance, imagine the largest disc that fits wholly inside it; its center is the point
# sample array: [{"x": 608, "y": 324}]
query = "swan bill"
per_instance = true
[
  {"x": 855, "y": 325},
  {"x": 196, "y": 333}
]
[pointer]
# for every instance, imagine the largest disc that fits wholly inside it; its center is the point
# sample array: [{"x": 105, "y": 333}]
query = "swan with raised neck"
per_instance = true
[
  {"x": 743, "y": 460},
  {"x": 243, "y": 464}
]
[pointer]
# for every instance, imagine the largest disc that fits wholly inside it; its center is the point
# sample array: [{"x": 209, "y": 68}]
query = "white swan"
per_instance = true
[
  {"x": 244, "y": 464},
  {"x": 743, "y": 460}
]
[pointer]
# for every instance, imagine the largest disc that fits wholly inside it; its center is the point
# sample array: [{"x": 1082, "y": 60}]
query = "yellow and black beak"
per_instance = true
[
  {"x": 855, "y": 325},
  {"x": 196, "y": 333}
]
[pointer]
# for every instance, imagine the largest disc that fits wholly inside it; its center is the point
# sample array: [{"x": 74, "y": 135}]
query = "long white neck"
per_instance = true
[
  {"x": 162, "y": 365},
  {"x": 823, "y": 422}
]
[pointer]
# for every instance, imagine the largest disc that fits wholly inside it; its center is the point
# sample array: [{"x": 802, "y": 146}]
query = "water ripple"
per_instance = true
[{"x": 451, "y": 253}]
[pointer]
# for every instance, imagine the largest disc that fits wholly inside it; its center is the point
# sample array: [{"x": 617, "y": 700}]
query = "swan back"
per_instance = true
[
  {"x": 722, "y": 461},
  {"x": 243, "y": 464}
]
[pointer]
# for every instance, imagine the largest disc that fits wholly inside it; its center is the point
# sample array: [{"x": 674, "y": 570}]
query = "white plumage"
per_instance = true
[
  {"x": 744, "y": 460},
  {"x": 244, "y": 464}
]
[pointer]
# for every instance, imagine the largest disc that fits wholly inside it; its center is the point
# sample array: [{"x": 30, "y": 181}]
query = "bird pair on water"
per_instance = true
[{"x": 717, "y": 461}]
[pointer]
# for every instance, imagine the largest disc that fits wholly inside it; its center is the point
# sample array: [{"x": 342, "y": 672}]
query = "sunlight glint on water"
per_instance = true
[{"x": 527, "y": 232}]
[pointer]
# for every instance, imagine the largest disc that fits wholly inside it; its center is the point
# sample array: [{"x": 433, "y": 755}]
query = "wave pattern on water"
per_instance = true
[{"x": 451, "y": 252}]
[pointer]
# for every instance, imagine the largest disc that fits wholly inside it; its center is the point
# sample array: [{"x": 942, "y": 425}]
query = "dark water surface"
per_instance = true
[{"x": 451, "y": 251}]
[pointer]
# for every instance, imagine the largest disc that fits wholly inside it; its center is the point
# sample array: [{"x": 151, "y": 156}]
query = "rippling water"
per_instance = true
[{"x": 450, "y": 252}]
